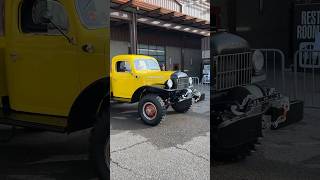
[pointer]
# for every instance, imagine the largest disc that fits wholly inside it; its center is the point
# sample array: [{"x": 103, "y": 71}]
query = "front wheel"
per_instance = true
[
  {"x": 100, "y": 146},
  {"x": 152, "y": 109},
  {"x": 183, "y": 106}
]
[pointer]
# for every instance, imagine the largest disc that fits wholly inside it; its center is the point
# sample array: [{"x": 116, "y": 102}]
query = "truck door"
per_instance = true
[
  {"x": 92, "y": 41},
  {"x": 41, "y": 63},
  {"x": 123, "y": 81}
]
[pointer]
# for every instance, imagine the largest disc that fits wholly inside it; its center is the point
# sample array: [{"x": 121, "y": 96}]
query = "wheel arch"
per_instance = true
[
  {"x": 88, "y": 104},
  {"x": 151, "y": 89}
]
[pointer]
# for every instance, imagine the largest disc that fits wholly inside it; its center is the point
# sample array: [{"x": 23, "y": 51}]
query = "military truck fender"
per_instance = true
[
  {"x": 86, "y": 107},
  {"x": 163, "y": 93}
]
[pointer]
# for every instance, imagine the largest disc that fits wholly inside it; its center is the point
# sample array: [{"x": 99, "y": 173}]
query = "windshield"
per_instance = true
[
  {"x": 146, "y": 64},
  {"x": 93, "y": 13}
]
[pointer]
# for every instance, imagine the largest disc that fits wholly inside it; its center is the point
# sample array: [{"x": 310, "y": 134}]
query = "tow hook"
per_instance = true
[
  {"x": 284, "y": 106},
  {"x": 196, "y": 95}
]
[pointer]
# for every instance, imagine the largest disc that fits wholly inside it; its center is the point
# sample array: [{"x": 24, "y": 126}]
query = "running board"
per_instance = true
[{"x": 45, "y": 122}]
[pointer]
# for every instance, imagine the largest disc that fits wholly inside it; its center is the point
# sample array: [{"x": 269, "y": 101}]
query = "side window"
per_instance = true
[
  {"x": 123, "y": 66},
  {"x": 1, "y": 17},
  {"x": 41, "y": 16}
]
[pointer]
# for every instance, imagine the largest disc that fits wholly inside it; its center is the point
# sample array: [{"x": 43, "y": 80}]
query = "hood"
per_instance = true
[
  {"x": 226, "y": 43},
  {"x": 156, "y": 77},
  {"x": 178, "y": 74}
]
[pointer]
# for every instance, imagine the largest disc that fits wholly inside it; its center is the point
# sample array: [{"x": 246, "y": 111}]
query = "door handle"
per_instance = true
[
  {"x": 14, "y": 55},
  {"x": 88, "y": 48}
]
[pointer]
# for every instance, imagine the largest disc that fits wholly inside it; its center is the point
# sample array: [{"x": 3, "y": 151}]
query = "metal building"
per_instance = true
[{"x": 169, "y": 30}]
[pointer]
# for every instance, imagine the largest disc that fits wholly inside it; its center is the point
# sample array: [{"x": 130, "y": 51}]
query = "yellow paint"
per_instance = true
[
  {"x": 3, "y": 87},
  {"x": 124, "y": 84},
  {"x": 49, "y": 73}
]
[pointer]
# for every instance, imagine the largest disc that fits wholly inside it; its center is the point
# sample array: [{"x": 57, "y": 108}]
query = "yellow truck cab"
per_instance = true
[
  {"x": 138, "y": 78},
  {"x": 54, "y": 68}
]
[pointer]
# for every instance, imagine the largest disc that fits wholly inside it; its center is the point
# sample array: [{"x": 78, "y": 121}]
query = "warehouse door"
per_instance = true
[{"x": 157, "y": 52}]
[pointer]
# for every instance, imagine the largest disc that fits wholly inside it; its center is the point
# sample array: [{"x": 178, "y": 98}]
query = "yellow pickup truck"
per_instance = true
[
  {"x": 138, "y": 78},
  {"x": 54, "y": 69}
]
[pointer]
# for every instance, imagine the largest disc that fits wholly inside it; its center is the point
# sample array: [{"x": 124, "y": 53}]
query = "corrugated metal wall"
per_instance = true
[
  {"x": 118, "y": 47},
  {"x": 167, "y": 4},
  {"x": 205, "y": 47},
  {"x": 192, "y": 62},
  {"x": 205, "y": 43},
  {"x": 199, "y": 9},
  {"x": 173, "y": 57},
  {"x": 158, "y": 37}
]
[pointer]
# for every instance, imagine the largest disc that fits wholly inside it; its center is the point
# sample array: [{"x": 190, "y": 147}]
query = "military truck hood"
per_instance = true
[{"x": 156, "y": 77}]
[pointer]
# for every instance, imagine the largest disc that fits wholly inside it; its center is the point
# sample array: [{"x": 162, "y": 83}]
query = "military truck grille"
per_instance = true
[
  {"x": 233, "y": 70},
  {"x": 183, "y": 83}
]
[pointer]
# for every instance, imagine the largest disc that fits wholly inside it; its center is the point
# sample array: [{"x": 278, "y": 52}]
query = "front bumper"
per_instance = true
[
  {"x": 238, "y": 131},
  {"x": 176, "y": 96}
]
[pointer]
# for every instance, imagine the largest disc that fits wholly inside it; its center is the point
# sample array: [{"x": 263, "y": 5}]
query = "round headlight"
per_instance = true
[
  {"x": 190, "y": 81},
  {"x": 258, "y": 61},
  {"x": 169, "y": 83}
]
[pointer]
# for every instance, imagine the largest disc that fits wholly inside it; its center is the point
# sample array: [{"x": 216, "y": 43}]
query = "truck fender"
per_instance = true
[
  {"x": 91, "y": 101},
  {"x": 149, "y": 89}
]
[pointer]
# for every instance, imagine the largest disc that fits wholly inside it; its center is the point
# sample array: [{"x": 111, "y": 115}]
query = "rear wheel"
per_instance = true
[
  {"x": 152, "y": 109},
  {"x": 183, "y": 106},
  {"x": 100, "y": 145}
]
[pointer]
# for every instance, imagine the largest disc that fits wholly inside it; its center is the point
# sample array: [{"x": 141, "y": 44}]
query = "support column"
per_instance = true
[{"x": 133, "y": 26}]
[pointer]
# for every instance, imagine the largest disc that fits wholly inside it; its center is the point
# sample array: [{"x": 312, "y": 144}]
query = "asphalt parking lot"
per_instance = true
[
  {"x": 45, "y": 156},
  {"x": 178, "y": 148},
  {"x": 291, "y": 153}
]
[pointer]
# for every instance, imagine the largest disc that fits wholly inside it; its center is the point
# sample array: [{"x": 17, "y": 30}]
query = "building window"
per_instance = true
[{"x": 157, "y": 52}]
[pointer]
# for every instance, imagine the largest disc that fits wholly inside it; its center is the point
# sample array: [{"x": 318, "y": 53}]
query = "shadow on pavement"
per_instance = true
[{"x": 43, "y": 155}]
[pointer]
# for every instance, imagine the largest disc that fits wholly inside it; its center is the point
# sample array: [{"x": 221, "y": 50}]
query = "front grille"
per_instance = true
[
  {"x": 233, "y": 70},
  {"x": 183, "y": 83}
]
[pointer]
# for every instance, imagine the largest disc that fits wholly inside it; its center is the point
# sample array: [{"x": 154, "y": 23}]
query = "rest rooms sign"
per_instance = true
[{"x": 307, "y": 34}]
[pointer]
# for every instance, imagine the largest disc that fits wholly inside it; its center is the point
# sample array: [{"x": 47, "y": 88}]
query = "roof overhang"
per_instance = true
[{"x": 157, "y": 16}]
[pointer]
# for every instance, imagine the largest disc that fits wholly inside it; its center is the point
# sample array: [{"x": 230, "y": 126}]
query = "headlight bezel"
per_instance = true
[
  {"x": 258, "y": 61},
  {"x": 169, "y": 83}
]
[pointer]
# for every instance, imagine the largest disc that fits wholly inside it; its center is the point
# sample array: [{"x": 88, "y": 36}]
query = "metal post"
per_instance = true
[{"x": 133, "y": 34}]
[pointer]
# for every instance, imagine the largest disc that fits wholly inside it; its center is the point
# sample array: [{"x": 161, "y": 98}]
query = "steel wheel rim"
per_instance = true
[{"x": 149, "y": 111}]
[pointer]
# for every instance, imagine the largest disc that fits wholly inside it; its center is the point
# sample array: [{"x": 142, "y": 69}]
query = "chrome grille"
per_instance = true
[
  {"x": 183, "y": 83},
  {"x": 233, "y": 70}
]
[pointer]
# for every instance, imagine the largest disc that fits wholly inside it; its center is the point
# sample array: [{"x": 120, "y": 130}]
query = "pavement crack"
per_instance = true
[
  {"x": 194, "y": 154},
  {"x": 126, "y": 168},
  {"x": 129, "y": 147}
]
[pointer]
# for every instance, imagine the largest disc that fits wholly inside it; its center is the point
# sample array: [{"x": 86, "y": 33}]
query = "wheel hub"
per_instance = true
[{"x": 149, "y": 110}]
